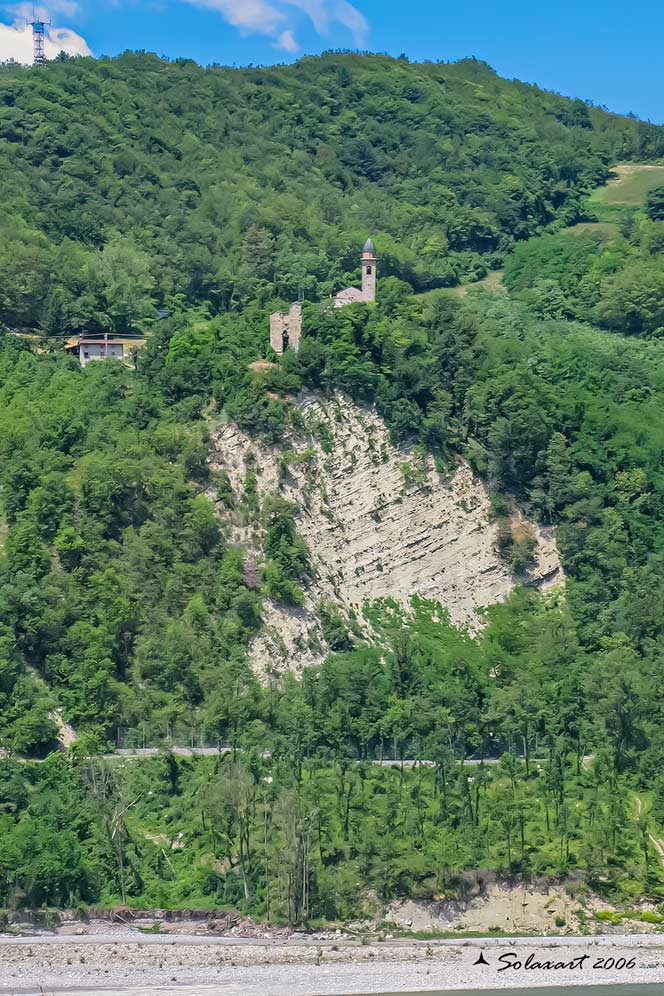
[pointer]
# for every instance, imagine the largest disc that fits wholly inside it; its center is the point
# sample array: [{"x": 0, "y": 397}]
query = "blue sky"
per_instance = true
[{"x": 607, "y": 52}]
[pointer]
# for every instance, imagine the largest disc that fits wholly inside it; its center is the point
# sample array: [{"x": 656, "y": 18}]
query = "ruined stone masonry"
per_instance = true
[{"x": 286, "y": 326}]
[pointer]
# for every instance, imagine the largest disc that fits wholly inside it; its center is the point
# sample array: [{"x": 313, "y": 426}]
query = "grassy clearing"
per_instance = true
[
  {"x": 627, "y": 189},
  {"x": 630, "y": 184},
  {"x": 604, "y": 231},
  {"x": 493, "y": 282}
]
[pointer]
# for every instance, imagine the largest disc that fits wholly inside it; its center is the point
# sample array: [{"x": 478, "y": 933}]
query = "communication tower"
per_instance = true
[{"x": 38, "y": 36}]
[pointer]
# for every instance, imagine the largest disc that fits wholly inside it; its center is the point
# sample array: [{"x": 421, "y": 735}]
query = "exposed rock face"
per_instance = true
[
  {"x": 66, "y": 733},
  {"x": 380, "y": 522}
]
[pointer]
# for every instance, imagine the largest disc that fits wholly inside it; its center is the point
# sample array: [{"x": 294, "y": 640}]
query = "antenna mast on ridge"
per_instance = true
[{"x": 38, "y": 36}]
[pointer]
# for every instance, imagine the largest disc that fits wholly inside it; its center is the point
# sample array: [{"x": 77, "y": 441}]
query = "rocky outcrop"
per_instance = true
[{"x": 380, "y": 522}]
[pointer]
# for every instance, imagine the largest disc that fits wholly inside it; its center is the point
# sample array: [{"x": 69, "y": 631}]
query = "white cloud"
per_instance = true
[
  {"x": 65, "y": 40},
  {"x": 316, "y": 10},
  {"x": 324, "y": 13},
  {"x": 16, "y": 42},
  {"x": 352, "y": 19},
  {"x": 287, "y": 41},
  {"x": 70, "y": 8},
  {"x": 274, "y": 18},
  {"x": 250, "y": 16}
]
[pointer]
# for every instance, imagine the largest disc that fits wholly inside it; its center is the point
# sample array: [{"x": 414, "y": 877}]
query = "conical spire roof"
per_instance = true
[{"x": 369, "y": 249}]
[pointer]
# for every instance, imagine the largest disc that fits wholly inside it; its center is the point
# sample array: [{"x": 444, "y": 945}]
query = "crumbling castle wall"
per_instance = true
[{"x": 286, "y": 328}]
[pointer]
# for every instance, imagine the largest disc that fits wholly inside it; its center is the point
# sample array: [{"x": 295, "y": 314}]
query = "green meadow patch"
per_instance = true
[
  {"x": 603, "y": 231},
  {"x": 627, "y": 189}
]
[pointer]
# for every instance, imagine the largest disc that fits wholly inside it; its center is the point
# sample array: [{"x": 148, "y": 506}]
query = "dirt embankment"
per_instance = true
[
  {"x": 492, "y": 906},
  {"x": 528, "y": 909},
  {"x": 188, "y": 952}
]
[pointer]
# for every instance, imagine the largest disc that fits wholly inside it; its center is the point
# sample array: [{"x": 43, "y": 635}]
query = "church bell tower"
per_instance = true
[{"x": 369, "y": 267}]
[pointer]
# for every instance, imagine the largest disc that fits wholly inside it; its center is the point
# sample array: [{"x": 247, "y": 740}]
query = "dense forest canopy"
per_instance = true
[
  {"x": 135, "y": 184},
  {"x": 132, "y": 183}
]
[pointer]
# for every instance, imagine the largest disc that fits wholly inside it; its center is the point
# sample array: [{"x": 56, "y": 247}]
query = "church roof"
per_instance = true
[
  {"x": 369, "y": 247},
  {"x": 349, "y": 295}
]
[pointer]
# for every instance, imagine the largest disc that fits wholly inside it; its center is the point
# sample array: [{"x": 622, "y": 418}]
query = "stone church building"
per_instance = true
[{"x": 286, "y": 326}]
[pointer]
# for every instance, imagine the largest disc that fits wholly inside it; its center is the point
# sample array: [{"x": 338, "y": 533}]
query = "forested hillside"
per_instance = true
[
  {"x": 126, "y": 598},
  {"x": 132, "y": 183}
]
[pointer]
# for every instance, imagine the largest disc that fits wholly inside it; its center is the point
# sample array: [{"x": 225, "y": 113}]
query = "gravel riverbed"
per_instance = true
[{"x": 122, "y": 962}]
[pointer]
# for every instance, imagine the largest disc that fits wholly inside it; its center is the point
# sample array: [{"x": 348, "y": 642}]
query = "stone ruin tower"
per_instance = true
[{"x": 286, "y": 328}]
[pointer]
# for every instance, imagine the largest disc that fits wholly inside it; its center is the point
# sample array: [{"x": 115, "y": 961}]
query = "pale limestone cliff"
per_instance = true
[{"x": 379, "y": 521}]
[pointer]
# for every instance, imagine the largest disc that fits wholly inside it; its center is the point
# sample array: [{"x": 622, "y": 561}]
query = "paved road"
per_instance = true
[
  {"x": 130, "y": 752},
  {"x": 131, "y": 935},
  {"x": 135, "y": 753},
  {"x": 217, "y": 751}
]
